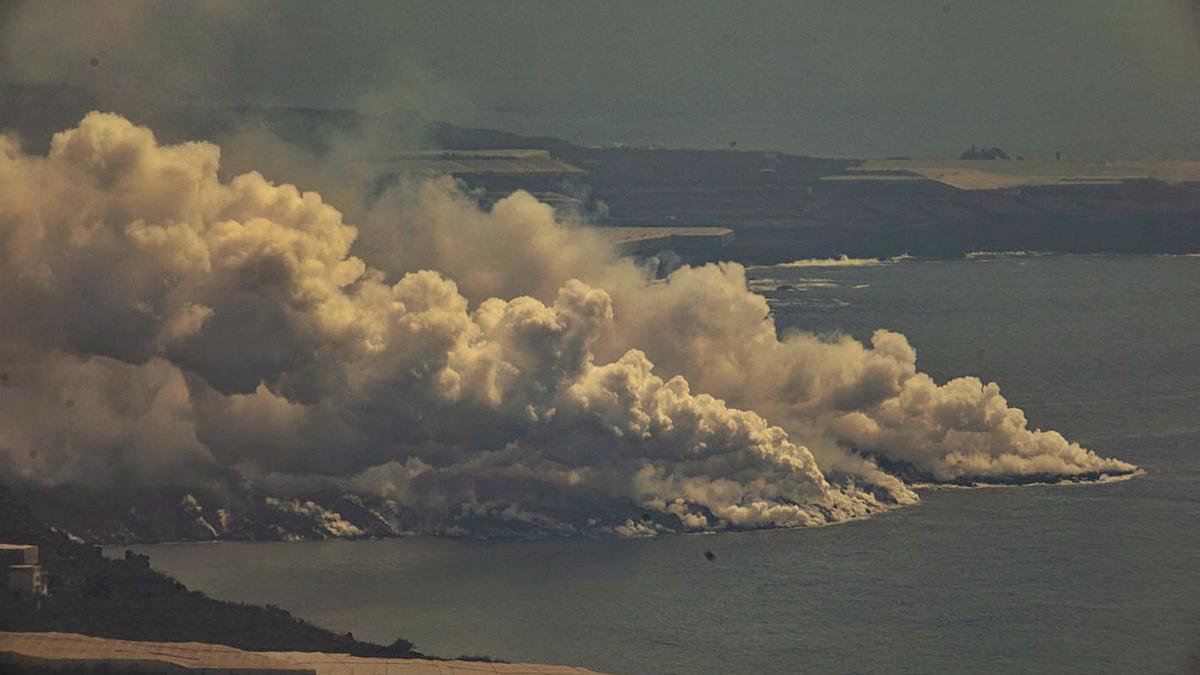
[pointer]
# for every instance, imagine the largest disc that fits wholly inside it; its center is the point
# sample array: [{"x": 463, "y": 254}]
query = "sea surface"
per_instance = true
[{"x": 1070, "y": 579}]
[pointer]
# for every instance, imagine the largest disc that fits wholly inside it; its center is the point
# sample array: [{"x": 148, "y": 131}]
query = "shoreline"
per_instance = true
[{"x": 1106, "y": 479}]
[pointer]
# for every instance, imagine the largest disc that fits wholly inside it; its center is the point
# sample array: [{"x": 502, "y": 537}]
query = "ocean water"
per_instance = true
[{"x": 1070, "y": 579}]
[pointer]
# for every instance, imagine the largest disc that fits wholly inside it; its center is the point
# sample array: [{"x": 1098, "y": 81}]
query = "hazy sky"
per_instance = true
[{"x": 866, "y": 78}]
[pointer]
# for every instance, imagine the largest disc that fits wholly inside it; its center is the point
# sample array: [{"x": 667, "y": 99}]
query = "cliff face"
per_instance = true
[
  {"x": 1140, "y": 217},
  {"x": 780, "y": 206}
]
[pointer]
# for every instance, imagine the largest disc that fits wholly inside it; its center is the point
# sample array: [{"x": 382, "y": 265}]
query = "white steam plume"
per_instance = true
[
  {"x": 704, "y": 324},
  {"x": 161, "y": 324}
]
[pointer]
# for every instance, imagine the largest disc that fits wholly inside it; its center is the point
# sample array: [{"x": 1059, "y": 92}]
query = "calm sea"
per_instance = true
[{"x": 1082, "y": 579}]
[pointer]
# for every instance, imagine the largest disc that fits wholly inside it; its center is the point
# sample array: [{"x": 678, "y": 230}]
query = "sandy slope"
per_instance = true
[{"x": 72, "y": 649}]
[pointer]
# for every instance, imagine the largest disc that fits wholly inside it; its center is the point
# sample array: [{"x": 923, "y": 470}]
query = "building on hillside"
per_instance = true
[{"x": 24, "y": 574}]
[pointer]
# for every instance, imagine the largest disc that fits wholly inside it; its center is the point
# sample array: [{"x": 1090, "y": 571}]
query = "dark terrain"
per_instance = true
[
  {"x": 125, "y": 598},
  {"x": 781, "y": 209},
  {"x": 781, "y": 206}
]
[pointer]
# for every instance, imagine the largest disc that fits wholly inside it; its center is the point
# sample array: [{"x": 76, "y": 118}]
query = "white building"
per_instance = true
[{"x": 24, "y": 574}]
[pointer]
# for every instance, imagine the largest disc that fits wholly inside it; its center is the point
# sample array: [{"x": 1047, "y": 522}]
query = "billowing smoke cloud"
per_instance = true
[
  {"x": 164, "y": 325},
  {"x": 704, "y": 325}
]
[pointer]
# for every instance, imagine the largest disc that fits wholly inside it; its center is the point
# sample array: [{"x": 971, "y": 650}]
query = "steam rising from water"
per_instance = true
[{"x": 162, "y": 325}]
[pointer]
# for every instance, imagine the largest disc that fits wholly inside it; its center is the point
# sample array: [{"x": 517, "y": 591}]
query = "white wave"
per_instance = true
[
  {"x": 999, "y": 255},
  {"x": 840, "y": 261},
  {"x": 830, "y": 303},
  {"x": 1067, "y": 481},
  {"x": 769, "y": 285}
]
